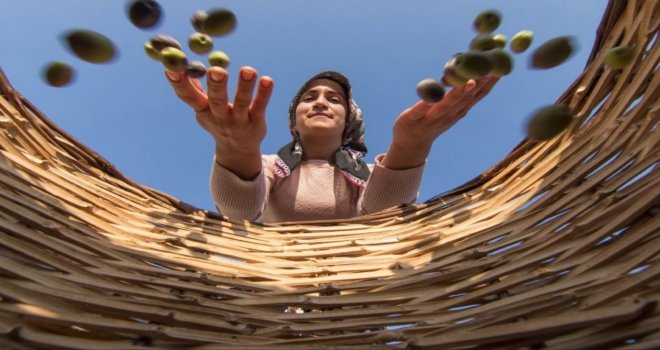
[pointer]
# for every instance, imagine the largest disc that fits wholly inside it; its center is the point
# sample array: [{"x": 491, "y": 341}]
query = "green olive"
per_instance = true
[
  {"x": 174, "y": 59},
  {"x": 487, "y": 21},
  {"x": 500, "y": 41},
  {"x": 219, "y": 22},
  {"x": 151, "y": 52},
  {"x": 548, "y": 122},
  {"x": 450, "y": 77},
  {"x": 619, "y": 57},
  {"x": 200, "y": 43},
  {"x": 90, "y": 46},
  {"x": 430, "y": 90},
  {"x": 502, "y": 62},
  {"x": 483, "y": 42},
  {"x": 521, "y": 41},
  {"x": 144, "y": 14},
  {"x": 196, "y": 69},
  {"x": 552, "y": 53},
  {"x": 58, "y": 74},
  {"x": 219, "y": 59},
  {"x": 473, "y": 65}
]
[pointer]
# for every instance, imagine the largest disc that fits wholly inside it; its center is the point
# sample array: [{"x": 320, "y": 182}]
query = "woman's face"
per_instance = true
[{"x": 321, "y": 110}]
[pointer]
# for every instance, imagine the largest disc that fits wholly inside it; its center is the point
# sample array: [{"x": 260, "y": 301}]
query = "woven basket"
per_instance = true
[{"x": 555, "y": 247}]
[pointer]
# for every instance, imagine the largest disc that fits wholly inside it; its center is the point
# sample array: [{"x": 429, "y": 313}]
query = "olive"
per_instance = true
[
  {"x": 144, "y": 14},
  {"x": 552, "y": 53},
  {"x": 483, "y": 42},
  {"x": 151, "y": 52},
  {"x": 161, "y": 41},
  {"x": 196, "y": 69},
  {"x": 487, "y": 21},
  {"x": 219, "y": 59},
  {"x": 58, "y": 74},
  {"x": 197, "y": 19},
  {"x": 450, "y": 77},
  {"x": 500, "y": 41},
  {"x": 430, "y": 90},
  {"x": 473, "y": 65},
  {"x": 502, "y": 62},
  {"x": 174, "y": 59},
  {"x": 219, "y": 22},
  {"x": 90, "y": 46},
  {"x": 619, "y": 57},
  {"x": 548, "y": 122},
  {"x": 521, "y": 41},
  {"x": 200, "y": 43}
]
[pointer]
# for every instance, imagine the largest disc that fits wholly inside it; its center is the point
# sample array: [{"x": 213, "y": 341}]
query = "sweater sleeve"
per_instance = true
[
  {"x": 237, "y": 198},
  {"x": 388, "y": 188}
]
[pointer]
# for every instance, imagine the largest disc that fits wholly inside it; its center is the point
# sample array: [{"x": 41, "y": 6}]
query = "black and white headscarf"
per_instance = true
[{"x": 349, "y": 158}]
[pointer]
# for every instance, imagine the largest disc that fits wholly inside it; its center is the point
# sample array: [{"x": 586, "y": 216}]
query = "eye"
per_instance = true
[{"x": 308, "y": 98}]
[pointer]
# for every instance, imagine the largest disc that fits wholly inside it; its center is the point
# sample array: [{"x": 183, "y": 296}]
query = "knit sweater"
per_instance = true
[{"x": 314, "y": 190}]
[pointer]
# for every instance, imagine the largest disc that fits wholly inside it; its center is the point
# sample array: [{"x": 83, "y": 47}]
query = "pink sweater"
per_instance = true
[{"x": 315, "y": 190}]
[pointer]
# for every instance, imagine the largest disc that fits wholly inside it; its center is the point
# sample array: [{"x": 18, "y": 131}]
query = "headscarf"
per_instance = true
[{"x": 349, "y": 158}]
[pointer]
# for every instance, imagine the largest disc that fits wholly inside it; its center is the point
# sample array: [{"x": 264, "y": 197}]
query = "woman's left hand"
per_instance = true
[{"x": 416, "y": 128}]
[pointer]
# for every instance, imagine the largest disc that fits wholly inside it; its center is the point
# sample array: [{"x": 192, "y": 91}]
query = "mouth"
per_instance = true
[{"x": 315, "y": 115}]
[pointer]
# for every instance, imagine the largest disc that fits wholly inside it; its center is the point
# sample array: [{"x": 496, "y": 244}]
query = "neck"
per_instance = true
[{"x": 319, "y": 148}]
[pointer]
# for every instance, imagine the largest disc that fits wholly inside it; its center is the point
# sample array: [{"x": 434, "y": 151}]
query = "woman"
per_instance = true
[{"x": 321, "y": 174}]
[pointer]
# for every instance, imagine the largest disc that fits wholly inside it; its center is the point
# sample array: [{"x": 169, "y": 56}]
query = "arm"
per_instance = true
[{"x": 417, "y": 127}]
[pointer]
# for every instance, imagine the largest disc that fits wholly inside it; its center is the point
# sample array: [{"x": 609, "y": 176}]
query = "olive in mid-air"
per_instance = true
[
  {"x": 473, "y": 65},
  {"x": 197, "y": 19},
  {"x": 219, "y": 59},
  {"x": 521, "y": 41},
  {"x": 552, "y": 53},
  {"x": 90, "y": 46},
  {"x": 58, "y": 74},
  {"x": 430, "y": 90},
  {"x": 219, "y": 22},
  {"x": 161, "y": 41},
  {"x": 483, "y": 42},
  {"x": 174, "y": 59},
  {"x": 487, "y": 21},
  {"x": 450, "y": 77},
  {"x": 500, "y": 41},
  {"x": 548, "y": 122},
  {"x": 144, "y": 14},
  {"x": 200, "y": 43},
  {"x": 502, "y": 62},
  {"x": 619, "y": 57},
  {"x": 151, "y": 52},
  {"x": 196, "y": 69}
]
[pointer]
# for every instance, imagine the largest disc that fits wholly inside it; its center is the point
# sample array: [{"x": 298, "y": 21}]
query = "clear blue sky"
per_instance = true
[{"x": 127, "y": 112}]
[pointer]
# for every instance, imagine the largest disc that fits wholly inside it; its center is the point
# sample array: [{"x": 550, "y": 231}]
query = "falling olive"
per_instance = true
[
  {"x": 430, "y": 90},
  {"x": 200, "y": 43},
  {"x": 548, "y": 122},
  {"x": 552, "y": 53},
  {"x": 500, "y": 41},
  {"x": 473, "y": 65},
  {"x": 90, "y": 46},
  {"x": 619, "y": 57},
  {"x": 450, "y": 77},
  {"x": 151, "y": 52},
  {"x": 502, "y": 62},
  {"x": 487, "y": 21},
  {"x": 58, "y": 74},
  {"x": 144, "y": 14},
  {"x": 197, "y": 19},
  {"x": 521, "y": 41},
  {"x": 483, "y": 42},
  {"x": 161, "y": 41},
  {"x": 196, "y": 69},
  {"x": 219, "y": 59},
  {"x": 219, "y": 22},
  {"x": 174, "y": 59}
]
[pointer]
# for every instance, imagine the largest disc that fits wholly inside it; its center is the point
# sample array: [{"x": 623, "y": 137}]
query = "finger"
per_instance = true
[
  {"x": 417, "y": 111},
  {"x": 264, "y": 91},
  {"x": 187, "y": 90},
  {"x": 243, "y": 97},
  {"x": 217, "y": 84}
]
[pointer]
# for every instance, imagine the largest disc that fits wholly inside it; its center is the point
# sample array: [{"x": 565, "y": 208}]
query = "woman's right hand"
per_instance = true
[{"x": 237, "y": 128}]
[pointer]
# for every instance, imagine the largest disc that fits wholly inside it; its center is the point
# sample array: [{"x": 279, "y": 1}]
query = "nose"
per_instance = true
[{"x": 320, "y": 102}]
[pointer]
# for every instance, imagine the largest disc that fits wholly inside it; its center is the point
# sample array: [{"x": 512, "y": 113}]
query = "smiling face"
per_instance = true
[{"x": 322, "y": 110}]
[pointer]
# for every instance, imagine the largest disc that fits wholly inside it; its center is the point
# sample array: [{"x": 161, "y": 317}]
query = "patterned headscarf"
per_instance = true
[{"x": 349, "y": 158}]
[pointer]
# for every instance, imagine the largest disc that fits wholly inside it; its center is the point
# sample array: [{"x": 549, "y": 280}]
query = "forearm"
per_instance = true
[
  {"x": 236, "y": 197},
  {"x": 244, "y": 162},
  {"x": 405, "y": 156}
]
